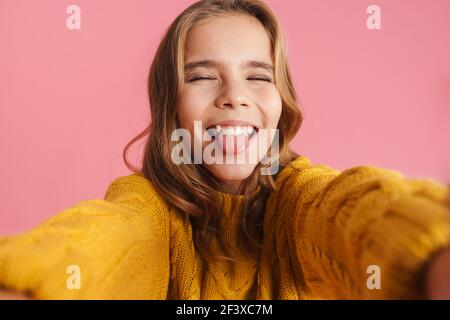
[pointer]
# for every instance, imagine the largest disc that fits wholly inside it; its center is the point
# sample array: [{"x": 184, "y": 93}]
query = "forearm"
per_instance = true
[
  {"x": 437, "y": 276},
  {"x": 13, "y": 295}
]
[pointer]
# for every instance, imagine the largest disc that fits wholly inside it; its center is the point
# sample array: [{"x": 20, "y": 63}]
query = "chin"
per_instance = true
[{"x": 231, "y": 172}]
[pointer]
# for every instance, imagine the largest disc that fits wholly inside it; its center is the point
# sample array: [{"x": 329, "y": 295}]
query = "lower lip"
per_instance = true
[{"x": 235, "y": 144}]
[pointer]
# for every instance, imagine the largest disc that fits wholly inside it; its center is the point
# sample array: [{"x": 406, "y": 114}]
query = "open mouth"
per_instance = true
[
  {"x": 222, "y": 131},
  {"x": 232, "y": 139}
]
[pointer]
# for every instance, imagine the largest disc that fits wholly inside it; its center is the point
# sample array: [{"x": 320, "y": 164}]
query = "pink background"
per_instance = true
[{"x": 71, "y": 99}]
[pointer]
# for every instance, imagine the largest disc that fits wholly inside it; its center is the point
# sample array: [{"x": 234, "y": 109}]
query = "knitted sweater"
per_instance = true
[{"x": 323, "y": 232}]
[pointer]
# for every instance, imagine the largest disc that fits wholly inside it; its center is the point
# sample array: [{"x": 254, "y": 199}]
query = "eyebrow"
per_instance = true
[{"x": 214, "y": 64}]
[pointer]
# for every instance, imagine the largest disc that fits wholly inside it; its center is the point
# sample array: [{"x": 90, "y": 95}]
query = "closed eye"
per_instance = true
[
  {"x": 209, "y": 78},
  {"x": 199, "y": 78},
  {"x": 261, "y": 79}
]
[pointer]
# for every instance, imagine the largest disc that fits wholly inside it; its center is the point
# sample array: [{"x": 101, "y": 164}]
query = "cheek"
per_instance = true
[
  {"x": 192, "y": 107},
  {"x": 271, "y": 105}
]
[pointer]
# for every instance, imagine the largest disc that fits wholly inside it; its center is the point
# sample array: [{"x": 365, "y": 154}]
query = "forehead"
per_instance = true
[{"x": 231, "y": 39}]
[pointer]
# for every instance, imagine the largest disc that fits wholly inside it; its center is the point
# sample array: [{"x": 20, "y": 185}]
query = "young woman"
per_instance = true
[{"x": 188, "y": 230}]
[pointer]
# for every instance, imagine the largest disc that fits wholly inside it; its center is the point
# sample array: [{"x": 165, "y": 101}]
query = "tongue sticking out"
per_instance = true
[{"x": 233, "y": 144}]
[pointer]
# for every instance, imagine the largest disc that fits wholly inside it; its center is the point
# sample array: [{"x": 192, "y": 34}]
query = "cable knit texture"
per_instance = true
[{"x": 322, "y": 229}]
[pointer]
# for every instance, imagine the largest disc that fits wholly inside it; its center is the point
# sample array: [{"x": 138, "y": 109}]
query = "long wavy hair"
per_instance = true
[{"x": 191, "y": 188}]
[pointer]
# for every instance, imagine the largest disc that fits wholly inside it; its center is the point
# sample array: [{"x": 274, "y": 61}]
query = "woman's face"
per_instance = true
[{"x": 229, "y": 78}]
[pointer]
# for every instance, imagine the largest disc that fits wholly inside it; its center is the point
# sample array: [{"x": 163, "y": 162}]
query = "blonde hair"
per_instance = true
[{"x": 191, "y": 188}]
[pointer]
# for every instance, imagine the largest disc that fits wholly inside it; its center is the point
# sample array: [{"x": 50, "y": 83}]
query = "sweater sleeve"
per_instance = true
[
  {"x": 111, "y": 248},
  {"x": 366, "y": 232}
]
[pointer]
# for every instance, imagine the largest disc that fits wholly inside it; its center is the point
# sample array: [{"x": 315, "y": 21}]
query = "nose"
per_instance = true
[{"x": 233, "y": 95}]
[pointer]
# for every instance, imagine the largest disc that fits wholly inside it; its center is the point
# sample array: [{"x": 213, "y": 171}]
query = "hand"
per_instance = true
[
  {"x": 437, "y": 278},
  {"x": 13, "y": 295}
]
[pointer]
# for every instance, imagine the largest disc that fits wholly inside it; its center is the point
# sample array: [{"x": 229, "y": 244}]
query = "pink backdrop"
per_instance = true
[{"x": 71, "y": 99}]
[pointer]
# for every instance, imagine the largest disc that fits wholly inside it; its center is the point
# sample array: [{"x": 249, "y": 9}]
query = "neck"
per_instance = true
[{"x": 232, "y": 188}]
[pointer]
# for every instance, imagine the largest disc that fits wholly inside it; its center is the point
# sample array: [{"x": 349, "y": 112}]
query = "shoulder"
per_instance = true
[
  {"x": 303, "y": 179},
  {"x": 135, "y": 183},
  {"x": 135, "y": 197},
  {"x": 135, "y": 191},
  {"x": 301, "y": 171},
  {"x": 130, "y": 205}
]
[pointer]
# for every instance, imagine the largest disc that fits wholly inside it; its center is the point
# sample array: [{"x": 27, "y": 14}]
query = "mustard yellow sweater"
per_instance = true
[{"x": 322, "y": 230}]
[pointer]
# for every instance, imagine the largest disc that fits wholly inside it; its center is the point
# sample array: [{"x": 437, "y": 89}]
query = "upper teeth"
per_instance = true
[{"x": 235, "y": 130}]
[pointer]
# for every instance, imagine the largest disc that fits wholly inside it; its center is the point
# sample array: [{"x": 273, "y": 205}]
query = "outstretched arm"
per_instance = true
[
  {"x": 117, "y": 247},
  {"x": 348, "y": 226}
]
